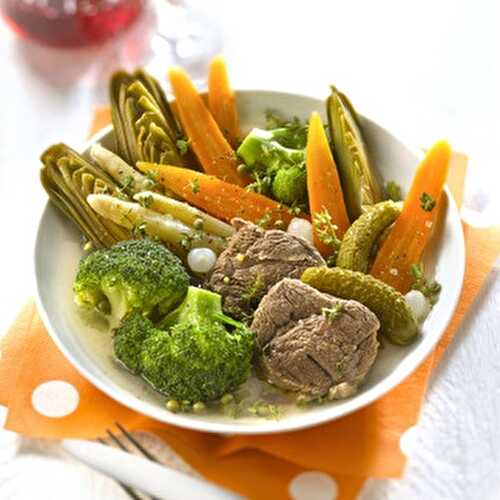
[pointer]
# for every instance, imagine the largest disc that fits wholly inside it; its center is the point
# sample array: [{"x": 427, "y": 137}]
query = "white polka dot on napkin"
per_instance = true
[
  {"x": 55, "y": 399},
  {"x": 313, "y": 485}
]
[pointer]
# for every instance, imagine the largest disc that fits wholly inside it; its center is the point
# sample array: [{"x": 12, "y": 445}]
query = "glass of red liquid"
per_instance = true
[{"x": 70, "y": 23}]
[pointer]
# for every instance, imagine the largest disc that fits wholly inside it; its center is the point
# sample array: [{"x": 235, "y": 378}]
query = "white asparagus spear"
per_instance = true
[
  {"x": 165, "y": 227},
  {"x": 183, "y": 212},
  {"x": 120, "y": 170}
]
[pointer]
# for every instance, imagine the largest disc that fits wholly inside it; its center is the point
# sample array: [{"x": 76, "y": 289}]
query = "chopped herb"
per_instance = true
[
  {"x": 294, "y": 131},
  {"x": 152, "y": 178},
  {"x": 427, "y": 202},
  {"x": 261, "y": 184},
  {"x": 295, "y": 209},
  {"x": 195, "y": 186},
  {"x": 332, "y": 313},
  {"x": 139, "y": 230},
  {"x": 393, "y": 190},
  {"x": 429, "y": 288},
  {"x": 254, "y": 289},
  {"x": 189, "y": 238},
  {"x": 128, "y": 183},
  {"x": 265, "y": 410},
  {"x": 339, "y": 368},
  {"x": 146, "y": 201},
  {"x": 265, "y": 220},
  {"x": 279, "y": 224},
  {"x": 326, "y": 230},
  {"x": 183, "y": 146}
]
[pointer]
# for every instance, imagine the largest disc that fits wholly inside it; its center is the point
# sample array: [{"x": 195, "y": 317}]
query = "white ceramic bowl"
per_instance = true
[{"x": 58, "y": 250}]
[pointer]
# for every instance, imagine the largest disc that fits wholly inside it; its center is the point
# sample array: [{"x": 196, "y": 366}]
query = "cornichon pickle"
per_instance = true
[
  {"x": 358, "y": 241},
  {"x": 397, "y": 321},
  {"x": 359, "y": 183}
]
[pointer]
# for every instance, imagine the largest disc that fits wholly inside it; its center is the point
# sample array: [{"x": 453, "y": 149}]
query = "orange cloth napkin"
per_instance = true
[{"x": 361, "y": 445}]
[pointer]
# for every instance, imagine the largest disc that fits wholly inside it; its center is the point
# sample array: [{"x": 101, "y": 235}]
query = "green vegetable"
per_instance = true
[
  {"x": 427, "y": 202},
  {"x": 196, "y": 353},
  {"x": 291, "y": 134},
  {"x": 360, "y": 238},
  {"x": 358, "y": 179},
  {"x": 277, "y": 170},
  {"x": 332, "y": 313},
  {"x": 429, "y": 288},
  {"x": 144, "y": 125},
  {"x": 393, "y": 190},
  {"x": 326, "y": 232},
  {"x": 166, "y": 228},
  {"x": 130, "y": 180},
  {"x": 133, "y": 276},
  {"x": 289, "y": 185},
  {"x": 397, "y": 321},
  {"x": 68, "y": 179}
]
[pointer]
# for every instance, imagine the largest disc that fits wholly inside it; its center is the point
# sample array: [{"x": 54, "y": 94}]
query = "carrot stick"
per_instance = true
[
  {"x": 323, "y": 183},
  {"x": 207, "y": 141},
  {"x": 413, "y": 229},
  {"x": 216, "y": 197},
  {"x": 221, "y": 101}
]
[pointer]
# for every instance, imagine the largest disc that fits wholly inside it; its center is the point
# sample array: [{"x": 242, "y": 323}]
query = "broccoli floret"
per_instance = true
[
  {"x": 196, "y": 353},
  {"x": 289, "y": 185},
  {"x": 273, "y": 165},
  {"x": 132, "y": 276}
]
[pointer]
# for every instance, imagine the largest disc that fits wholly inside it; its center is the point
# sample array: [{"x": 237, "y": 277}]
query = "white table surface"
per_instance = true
[{"x": 426, "y": 70}]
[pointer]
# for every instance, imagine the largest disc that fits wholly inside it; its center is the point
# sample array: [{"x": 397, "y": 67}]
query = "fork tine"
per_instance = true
[
  {"x": 130, "y": 492},
  {"x": 117, "y": 441},
  {"x": 136, "y": 443}
]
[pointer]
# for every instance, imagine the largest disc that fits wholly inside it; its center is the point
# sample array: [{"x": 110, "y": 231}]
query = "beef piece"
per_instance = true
[
  {"x": 254, "y": 260},
  {"x": 314, "y": 343}
]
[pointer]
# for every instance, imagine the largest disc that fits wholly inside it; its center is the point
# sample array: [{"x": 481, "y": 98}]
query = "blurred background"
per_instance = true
[{"x": 424, "y": 70}]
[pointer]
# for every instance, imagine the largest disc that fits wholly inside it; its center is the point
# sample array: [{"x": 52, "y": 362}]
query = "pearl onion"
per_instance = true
[
  {"x": 302, "y": 228},
  {"x": 201, "y": 260},
  {"x": 418, "y": 304}
]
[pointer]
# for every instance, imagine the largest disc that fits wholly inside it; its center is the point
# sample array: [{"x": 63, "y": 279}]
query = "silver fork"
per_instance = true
[
  {"x": 131, "y": 441},
  {"x": 141, "y": 473}
]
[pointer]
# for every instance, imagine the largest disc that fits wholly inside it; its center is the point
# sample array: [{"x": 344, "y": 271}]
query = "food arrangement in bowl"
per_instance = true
[{"x": 249, "y": 275}]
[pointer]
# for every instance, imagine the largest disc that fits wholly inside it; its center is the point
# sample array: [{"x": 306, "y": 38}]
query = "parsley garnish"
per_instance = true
[
  {"x": 427, "y": 202},
  {"x": 183, "y": 146},
  {"x": 429, "y": 288},
  {"x": 139, "y": 230},
  {"x": 332, "y": 313},
  {"x": 195, "y": 186},
  {"x": 393, "y": 190},
  {"x": 326, "y": 231},
  {"x": 254, "y": 289},
  {"x": 146, "y": 201},
  {"x": 265, "y": 220}
]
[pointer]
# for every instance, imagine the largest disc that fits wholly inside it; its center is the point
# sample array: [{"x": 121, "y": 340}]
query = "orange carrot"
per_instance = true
[
  {"x": 323, "y": 183},
  {"x": 412, "y": 230},
  {"x": 216, "y": 197},
  {"x": 221, "y": 101},
  {"x": 207, "y": 141}
]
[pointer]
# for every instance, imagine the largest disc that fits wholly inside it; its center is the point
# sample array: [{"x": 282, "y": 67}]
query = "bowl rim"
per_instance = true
[{"x": 357, "y": 402}]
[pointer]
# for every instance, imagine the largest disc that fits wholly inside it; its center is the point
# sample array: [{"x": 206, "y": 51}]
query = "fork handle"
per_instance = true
[{"x": 155, "y": 479}]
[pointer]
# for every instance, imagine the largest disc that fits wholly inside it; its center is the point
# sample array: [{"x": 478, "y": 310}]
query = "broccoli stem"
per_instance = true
[
  {"x": 199, "y": 303},
  {"x": 261, "y": 146}
]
